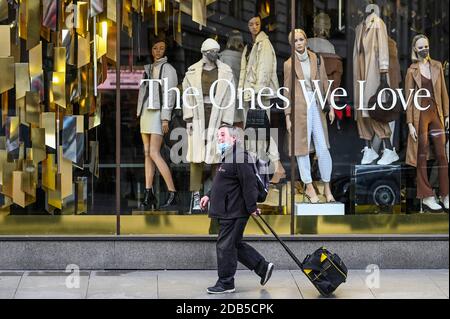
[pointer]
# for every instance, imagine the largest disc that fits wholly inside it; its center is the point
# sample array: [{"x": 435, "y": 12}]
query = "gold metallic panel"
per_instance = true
[
  {"x": 81, "y": 18},
  {"x": 12, "y": 133},
  {"x": 102, "y": 39},
  {"x": 54, "y": 196},
  {"x": 81, "y": 195},
  {"x": 29, "y": 178},
  {"x": 7, "y": 74},
  {"x": 60, "y": 59},
  {"x": 48, "y": 122},
  {"x": 36, "y": 60},
  {"x": 84, "y": 51},
  {"x": 111, "y": 10},
  {"x": 59, "y": 89},
  {"x": 5, "y": 106},
  {"x": 7, "y": 179},
  {"x": 3, "y": 160},
  {"x": 112, "y": 45},
  {"x": 95, "y": 120},
  {"x": 178, "y": 36},
  {"x": 21, "y": 112},
  {"x": 57, "y": 225},
  {"x": 33, "y": 23},
  {"x": 66, "y": 175},
  {"x": 22, "y": 77},
  {"x": 5, "y": 36},
  {"x": 38, "y": 142},
  {"x": 49, "y": 170},
  {"x": 3, "y": 10},
  {"x": 19, "y": 196},
  {"x": 23, "y": 20},
  {"x": 126, "y": 17},
  {"x": 32, "y": 108}
]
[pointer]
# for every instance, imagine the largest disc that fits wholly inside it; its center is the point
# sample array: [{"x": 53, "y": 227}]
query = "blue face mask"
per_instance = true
[{"x": 223, "y": 147}]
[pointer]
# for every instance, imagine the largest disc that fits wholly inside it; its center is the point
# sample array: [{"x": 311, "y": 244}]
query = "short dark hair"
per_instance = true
[{"x": 233, "y": 130}]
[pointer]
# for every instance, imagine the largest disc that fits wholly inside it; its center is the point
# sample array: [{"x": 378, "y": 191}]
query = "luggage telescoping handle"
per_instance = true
[{"x": 289, "y": 251}]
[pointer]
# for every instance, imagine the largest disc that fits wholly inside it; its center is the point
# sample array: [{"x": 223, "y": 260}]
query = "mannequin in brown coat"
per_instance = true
[
  {"x": 310, "y": 122},
  {"x": 427, "y": 123}
]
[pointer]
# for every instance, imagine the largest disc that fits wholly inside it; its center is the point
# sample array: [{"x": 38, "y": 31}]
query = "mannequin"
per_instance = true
[
  {"x": 154, "y": 123},
  {"x": 424, "y": 126},
  {"x": 204, "y": 120},
  {"x": 232, "y": 56},
  {"x": 371, "y": 64},
  {"x": 320, "y": 44},
  {"x": 259, "y": 70},
  {"x": 310, "y": 122}
]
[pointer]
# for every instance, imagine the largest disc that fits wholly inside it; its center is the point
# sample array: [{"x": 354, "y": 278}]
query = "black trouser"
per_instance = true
[{"x": 231, "y": 249}]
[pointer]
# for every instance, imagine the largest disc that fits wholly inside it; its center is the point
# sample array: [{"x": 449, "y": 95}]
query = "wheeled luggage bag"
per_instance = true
[{"x": 325, "y": 270}]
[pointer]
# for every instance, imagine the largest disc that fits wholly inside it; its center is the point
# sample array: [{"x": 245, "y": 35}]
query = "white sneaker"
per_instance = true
[
  {"x": 369, "y": 156},
  {"x": 388, "y": 157},
  {"x": 432, "y": 204},
  {"x": 445, "y": 202}
]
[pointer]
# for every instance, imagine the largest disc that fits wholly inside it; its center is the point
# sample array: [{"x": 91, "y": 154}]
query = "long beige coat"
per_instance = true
[
  {"x": 300, "y": 121},
  {"x": 375, "y": 59},
  {"x": 202, "y": 146},
  {"x": 260, "y": 71},
  {"x": 414, "y": 82}
]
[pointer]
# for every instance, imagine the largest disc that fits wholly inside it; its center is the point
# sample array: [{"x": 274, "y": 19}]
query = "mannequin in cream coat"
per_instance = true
[{"x": 258, "y": 71}]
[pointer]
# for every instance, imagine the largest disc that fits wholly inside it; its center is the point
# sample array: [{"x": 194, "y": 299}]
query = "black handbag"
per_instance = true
[
  {"x": 381, "y": 115},
  {"x": 257, "y": 118}
]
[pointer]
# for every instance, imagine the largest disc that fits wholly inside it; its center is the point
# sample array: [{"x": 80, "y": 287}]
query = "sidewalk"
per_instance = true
[{"x": 397, "y": 284}]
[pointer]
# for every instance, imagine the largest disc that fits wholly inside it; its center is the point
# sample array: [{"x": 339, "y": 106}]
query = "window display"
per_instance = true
[{"x": 110, "y": 110}]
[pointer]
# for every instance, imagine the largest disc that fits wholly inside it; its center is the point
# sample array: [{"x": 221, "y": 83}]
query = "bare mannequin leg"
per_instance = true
[
  {"x": 311, "y": 193},
  {"x": 149, "y": 164},
  {"x": 155, "y": 153},
  {"x": 328, "y": 194}
]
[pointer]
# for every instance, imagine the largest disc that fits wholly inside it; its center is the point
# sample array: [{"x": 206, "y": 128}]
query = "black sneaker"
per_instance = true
[
  {"x": 267, "y": 275},
  {"x": 219, "y": 290}
]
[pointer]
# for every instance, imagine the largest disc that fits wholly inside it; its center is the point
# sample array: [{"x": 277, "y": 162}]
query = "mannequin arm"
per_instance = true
[{"x": 412, "y": 132}]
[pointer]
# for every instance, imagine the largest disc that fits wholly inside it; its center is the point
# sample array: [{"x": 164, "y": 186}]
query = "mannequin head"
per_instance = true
[
  {"x": 159, "y": 50},
  {"x": 420, "y": 48},
  {"x": 301, "y": 40},
  {"x": 210, "y": 50},
  {"x": 322, "y": 26},
  {"x": 255, "y": 25},
  {"x": 372, "y": 8},
  {"x": 235, "y": 41}
]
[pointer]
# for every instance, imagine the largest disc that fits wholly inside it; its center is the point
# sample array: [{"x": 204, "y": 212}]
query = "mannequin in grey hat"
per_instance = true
[{"x": 202, "y": 117}]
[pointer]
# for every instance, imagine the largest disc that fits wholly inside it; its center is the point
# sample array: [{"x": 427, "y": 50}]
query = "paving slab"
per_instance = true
[
  {"x": 52, "y": 285},
  {"x": 9, "y": 282},
  {"x": 123, "y": 285}
]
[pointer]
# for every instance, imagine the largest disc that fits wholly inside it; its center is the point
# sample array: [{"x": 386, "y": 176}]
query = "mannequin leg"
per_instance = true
[
  {"x": 424, "y": 189},
  {"x": 149, "y": 164},
  {"x": 196, "y": 177},
  {"x": 438, "y": 138},
  {"x": 323, "y": 153},
  {"x": 274, "y": 155},
  {"x": 304, "y": 165},
  {"x": 388, "y": 144},
  {"x": 155, "y": 153}
]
